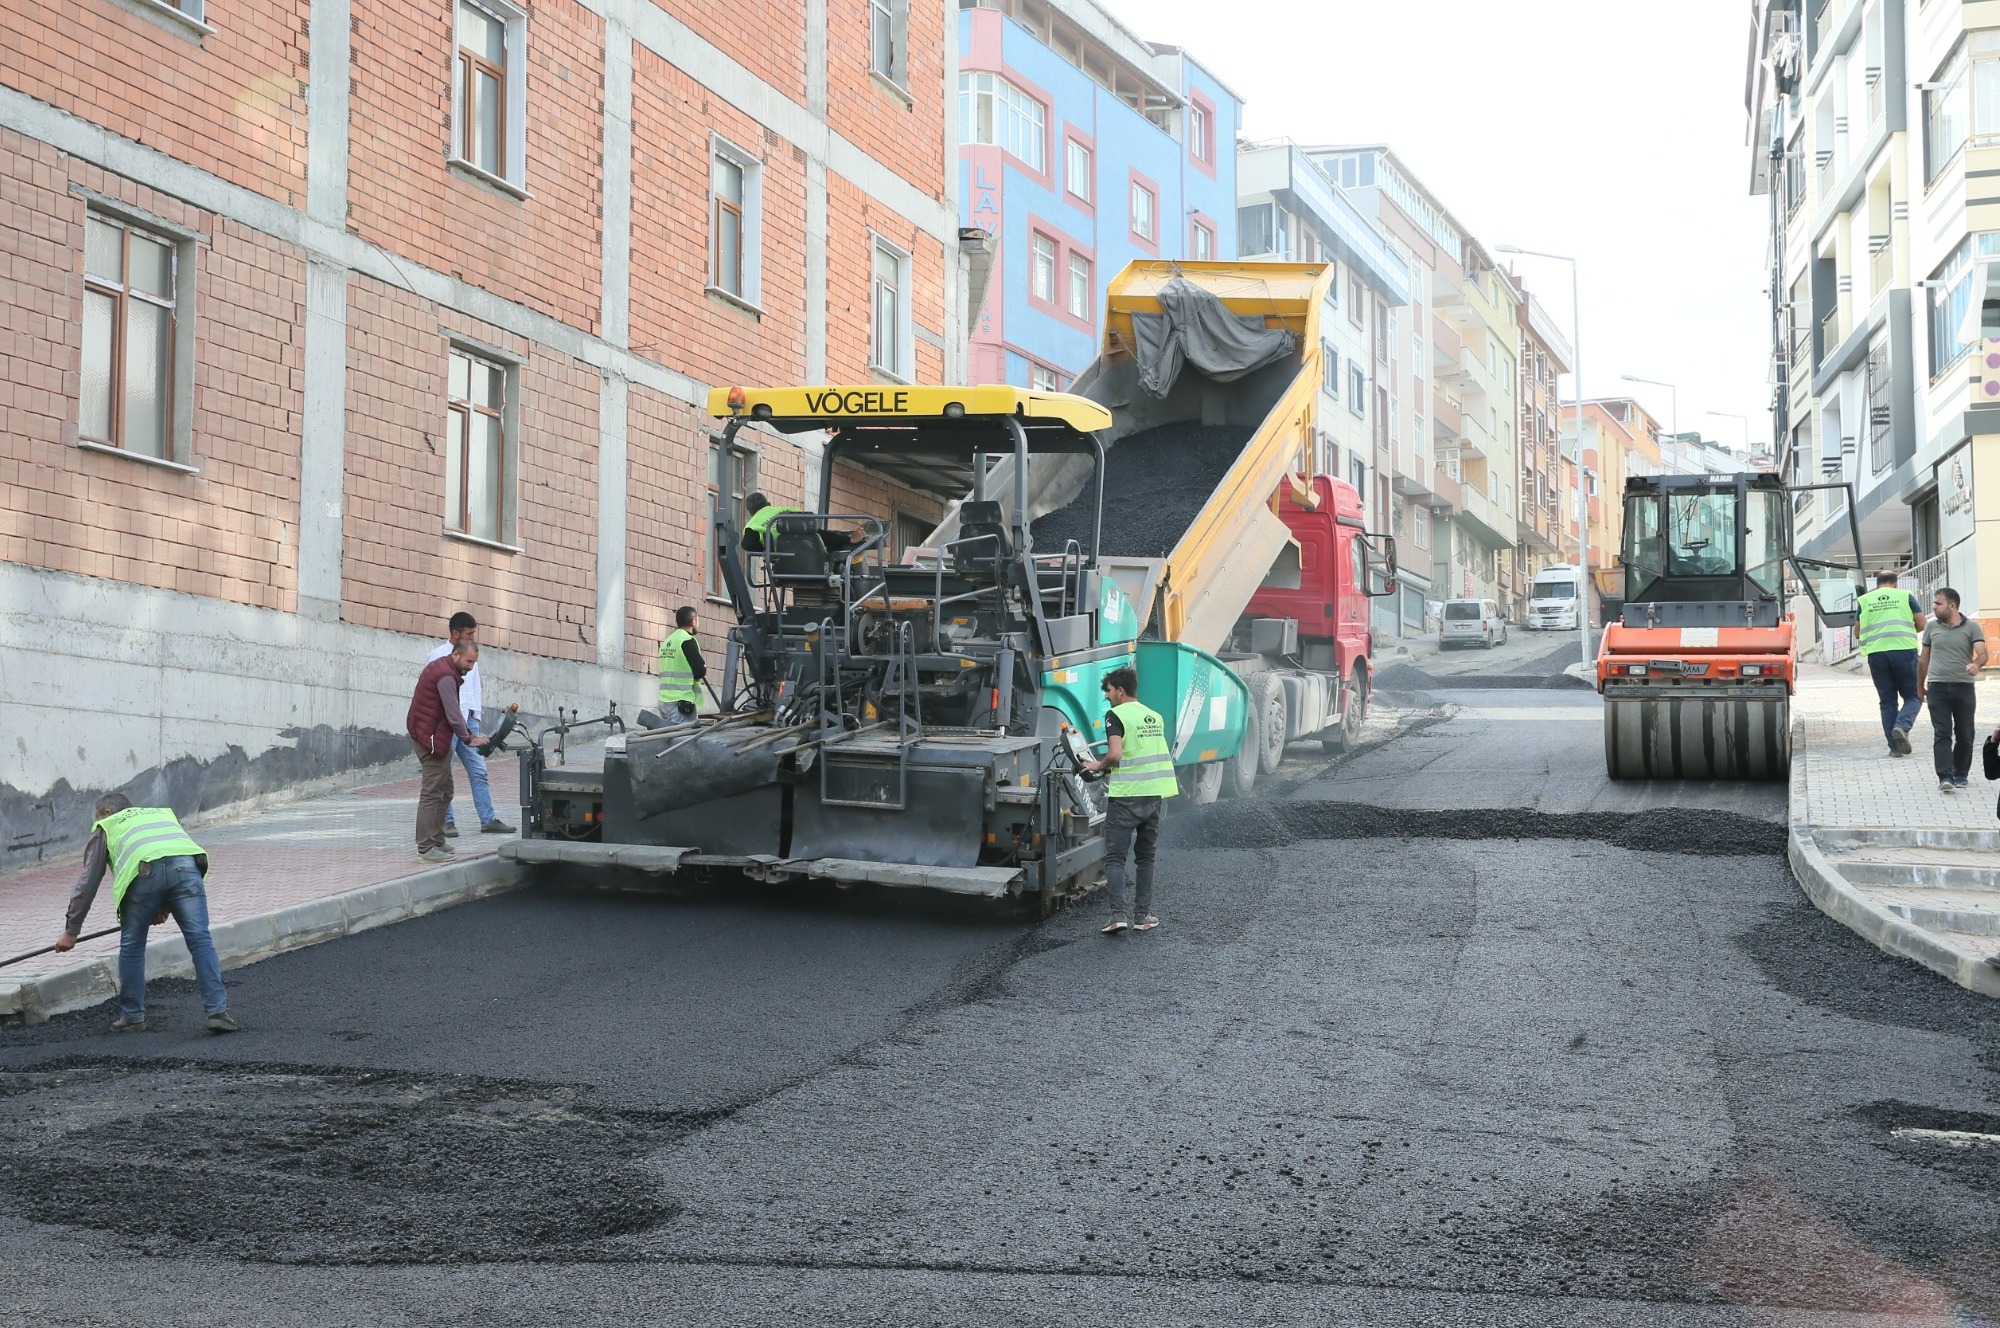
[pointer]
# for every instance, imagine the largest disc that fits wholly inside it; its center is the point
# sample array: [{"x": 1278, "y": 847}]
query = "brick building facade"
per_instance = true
[{"x": 326, "y": 317}]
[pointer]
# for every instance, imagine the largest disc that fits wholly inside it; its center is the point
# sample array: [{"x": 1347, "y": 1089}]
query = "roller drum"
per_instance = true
[{"x": 1698, "y": 738}]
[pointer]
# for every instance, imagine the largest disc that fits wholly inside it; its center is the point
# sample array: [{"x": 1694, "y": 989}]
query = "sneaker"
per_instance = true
[
  {"x": 123, "y": 1025},
  {"x": 220, "y": 1022},
  {"x": 496, "y": 826},
  {"x": 1959, "y": 781},
  {"x": 1146, "y": 923},
  {"x": 1116, "y": 925},
  {"x": 437, "y": 854},
  {"x": 1898, "y": 738},
  {"x": 1946, "y": 786},
  {"x": 451, "y": 831}
]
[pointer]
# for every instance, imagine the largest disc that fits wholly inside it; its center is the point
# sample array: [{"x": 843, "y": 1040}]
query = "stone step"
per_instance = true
[
  {"x": 1961, "y": 912},
  {"x": 1845, "y": 838}
]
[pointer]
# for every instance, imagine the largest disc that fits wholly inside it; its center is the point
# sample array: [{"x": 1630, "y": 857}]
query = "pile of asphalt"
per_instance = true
[
  {"x": 1409, "y": 678},
  {"x": 296, "y": 1165},
  {"x": 1265, "y": 823},
  {"x": 1155, "y": 484}
]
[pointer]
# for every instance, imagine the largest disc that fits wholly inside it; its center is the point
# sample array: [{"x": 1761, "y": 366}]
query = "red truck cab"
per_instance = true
[{"x": 1330, "y": 602}]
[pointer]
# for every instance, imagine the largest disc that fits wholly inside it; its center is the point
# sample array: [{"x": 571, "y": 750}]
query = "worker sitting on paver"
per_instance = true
[
  {"x": 156, "y": 871},
  {"x": 1141, "y": 767},
  {"x": 1886, "y": 626}
]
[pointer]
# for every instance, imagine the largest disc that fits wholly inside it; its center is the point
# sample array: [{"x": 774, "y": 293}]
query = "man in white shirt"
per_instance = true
[{"x": 463, "y": 628}]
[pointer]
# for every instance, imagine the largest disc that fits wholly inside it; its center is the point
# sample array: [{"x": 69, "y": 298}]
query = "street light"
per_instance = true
[
  {"x": 1673, "y": 397},
  {"x": 1582, "y": 493},
  {"x": 1743, "y": 420}
]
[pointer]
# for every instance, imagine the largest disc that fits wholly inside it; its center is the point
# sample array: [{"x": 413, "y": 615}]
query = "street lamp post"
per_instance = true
[
  {"x": 1673, "y": 400},
  {"x": 1743, "y": 420},
  {"x": 1582, "y": 484}
]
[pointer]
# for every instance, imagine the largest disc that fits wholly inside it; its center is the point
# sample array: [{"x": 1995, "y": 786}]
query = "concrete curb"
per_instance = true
[
  {"x": 246, "y": 940},
  {"x": 1832, "y": 894}
]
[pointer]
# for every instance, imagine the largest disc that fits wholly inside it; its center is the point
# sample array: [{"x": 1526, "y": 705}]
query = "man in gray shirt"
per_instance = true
[{"x": 1954, "y": 653}]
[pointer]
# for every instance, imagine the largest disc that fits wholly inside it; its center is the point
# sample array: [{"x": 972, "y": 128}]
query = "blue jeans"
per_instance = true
[
  {"x": 1895, "y": 675},
  {"x": 173, "y": 884},
  {"x": 474, "y": 762}
]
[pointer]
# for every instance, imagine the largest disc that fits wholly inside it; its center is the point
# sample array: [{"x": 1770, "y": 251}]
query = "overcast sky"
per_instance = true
[{"x": 1605, "y": 129}]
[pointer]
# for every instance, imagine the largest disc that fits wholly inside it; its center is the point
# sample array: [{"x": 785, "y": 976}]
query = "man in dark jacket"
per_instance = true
[{"x": 434, "y": 721}]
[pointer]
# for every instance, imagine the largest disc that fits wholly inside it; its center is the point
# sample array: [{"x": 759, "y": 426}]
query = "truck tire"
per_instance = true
[
  {"x": 1273, "y": 721},
  {"x": 1239, "y": 772},
  {"x": 1201, "y": 784},
  {"x": 1353, "y": 712}
]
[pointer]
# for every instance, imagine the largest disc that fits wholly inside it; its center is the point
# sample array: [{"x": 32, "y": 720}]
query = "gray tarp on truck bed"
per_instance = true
[{"x": 1194, "y": 326}]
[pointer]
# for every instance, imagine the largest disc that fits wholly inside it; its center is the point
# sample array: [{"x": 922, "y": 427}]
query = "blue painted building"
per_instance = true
[{"x": 1083, "y": 147}]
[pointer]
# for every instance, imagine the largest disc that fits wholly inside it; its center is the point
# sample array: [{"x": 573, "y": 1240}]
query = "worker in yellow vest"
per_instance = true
[
  {"x": 156, "y": 872},
  {"x": 1888, "y": 627},
  {"x": 1140, "y": 778},
  {"x": 682, "y": 669}
]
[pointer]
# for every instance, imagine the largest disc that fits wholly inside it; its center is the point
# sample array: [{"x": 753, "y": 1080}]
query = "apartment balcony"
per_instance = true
[
  {"x": 1490, "y": 524},
  {"x": 1445, "y": 342},
  {"x": 1447, "y": 415},
  {"x": 1829, "y": 332},
  {"x": 1881, "y": 263},
  {"x": 1474, "y": 436},
  {"x": 1471, "y": 376}
]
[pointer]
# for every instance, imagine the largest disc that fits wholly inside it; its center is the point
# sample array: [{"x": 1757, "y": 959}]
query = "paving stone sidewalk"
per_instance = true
[
  {"x": 1877, "y": 846},
  {"x": 277, "y": 862}
]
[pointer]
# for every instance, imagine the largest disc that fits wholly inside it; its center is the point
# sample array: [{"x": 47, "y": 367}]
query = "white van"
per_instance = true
[
  {"x": 1472, "y": 622},
  {"x": 1553, "y": 601}
]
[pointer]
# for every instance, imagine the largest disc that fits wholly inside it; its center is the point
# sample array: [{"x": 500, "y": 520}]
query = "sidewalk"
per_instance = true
[
  {"x": 1876, "y": 846},
  {"x": 279, "y": 878}
]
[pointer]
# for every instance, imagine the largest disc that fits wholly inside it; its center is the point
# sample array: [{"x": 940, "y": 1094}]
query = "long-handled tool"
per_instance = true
[{"x": 87, "y": 936}]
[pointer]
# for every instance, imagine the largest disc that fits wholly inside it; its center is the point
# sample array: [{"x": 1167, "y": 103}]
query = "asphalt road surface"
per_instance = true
[{"x": 1452, "y": 1032}]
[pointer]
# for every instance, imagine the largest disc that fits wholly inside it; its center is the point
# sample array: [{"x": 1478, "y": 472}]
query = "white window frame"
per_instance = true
[
  {"x": 1202, "y": 232},
  {"x": 1079, "y": 183},
  {"x": 1329, "y": 370},
  {"x": 1018, "y": 121},
  {"x": 1357, "y": 389},
  {"x": 1041, "y": 378},
  {"x": 893, "y": 18},
  {"x": 1198, "y": 127},
  {"x": 513, "y": 173},
  {"x": 1150, "y": 232},
  {"x": 1086, "y": 288},
  {"x": 900, "y": 363},
  {"x": 752, "y": 295},
  {"x": 1036, "y": 268}
]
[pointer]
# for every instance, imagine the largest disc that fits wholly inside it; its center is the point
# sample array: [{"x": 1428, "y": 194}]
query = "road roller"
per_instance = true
[{"x": 1697, "y": 672}]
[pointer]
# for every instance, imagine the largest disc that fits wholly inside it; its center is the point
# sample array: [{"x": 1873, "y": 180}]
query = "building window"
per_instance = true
[
  {"x": 1329, "y": 370},
  {"x": 890, "y": 351},
  {"x": 475, "y": 457},
  {"x": 1082, "y": 295},
  {"x": 991, "y": 110},
  {"x": 1201, "y": 130},
  {"x": 1946, "y": 121},
  {"x": 1356, "y": 310},
  {"x": 1382, "y": 332},
  {"x": 488, "y": 88},
  {"x": 1420, "y": 525},
  {"x": 1076, "y": 167},
  {"x": 1042, "y": 270},
  {"x": 1203, "y": 247},
  {"x": 1357, "y": 475},
  {"x": 1143, "y": 208},
  {"x": 1254, "y": 230},
  {"x": 742, "y": 484},
  {"x": 735, "y": 223},
  {"x": 1357, "y": 389},
  {"x": 1950, "y": 290},
  {"x": 1041, "y": 378},
  {"x": 131, "y": 293},
  {"x": 888, "y": 37}
]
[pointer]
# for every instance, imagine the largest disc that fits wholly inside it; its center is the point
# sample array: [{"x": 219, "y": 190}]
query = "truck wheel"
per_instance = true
[
  {"x": 1272, "y": 722},
  {"x": 1352, "y": 714},
  {"x": 1239, "y": 772},
  {"x": 1201, "y": 784}
]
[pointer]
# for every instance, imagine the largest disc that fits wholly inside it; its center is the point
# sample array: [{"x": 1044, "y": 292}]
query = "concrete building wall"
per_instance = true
[{"x": 251, "y": 616}]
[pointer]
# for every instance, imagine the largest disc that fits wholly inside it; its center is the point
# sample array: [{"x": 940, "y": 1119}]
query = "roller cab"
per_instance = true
[{"x": 1698, "y": 669}]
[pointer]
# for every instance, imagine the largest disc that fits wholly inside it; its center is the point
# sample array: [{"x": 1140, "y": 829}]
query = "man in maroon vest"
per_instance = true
[{"x": 434, "y": 720}]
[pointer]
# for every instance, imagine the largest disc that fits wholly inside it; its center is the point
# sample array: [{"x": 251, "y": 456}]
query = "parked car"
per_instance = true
[{"x": 1472, "y": 622}]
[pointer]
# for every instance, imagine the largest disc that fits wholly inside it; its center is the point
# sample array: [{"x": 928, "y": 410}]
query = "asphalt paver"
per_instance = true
[{"x": 1583, "y": 1062}]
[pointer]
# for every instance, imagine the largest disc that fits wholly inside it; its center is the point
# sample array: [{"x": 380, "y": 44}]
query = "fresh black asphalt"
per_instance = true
[{"x": 1450, "y": 1033}]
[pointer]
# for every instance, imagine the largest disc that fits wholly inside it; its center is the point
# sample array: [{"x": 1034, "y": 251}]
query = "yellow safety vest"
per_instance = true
[
  {"x": 1886, "y": 622},
  {"x": 1145, "y": 766},
  {"x": 677, "y": 682},
  {"x": 761, "y": 521},
  {"x": 139, "y": 835}
]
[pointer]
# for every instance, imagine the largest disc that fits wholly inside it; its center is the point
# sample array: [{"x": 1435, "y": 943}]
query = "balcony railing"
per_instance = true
[
  {"x": 1822, "y": 28},
  {"x": 1882, "y": 266},
  {"x": 1826, "y": 174},
  {"x": 1829, "y": 332}
]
